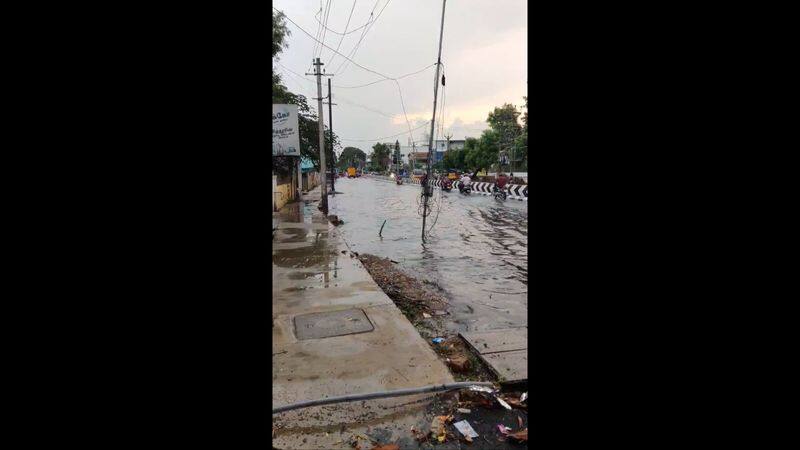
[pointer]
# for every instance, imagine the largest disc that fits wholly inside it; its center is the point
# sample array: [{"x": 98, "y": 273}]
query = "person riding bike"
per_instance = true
[
  {"x": 465, "y": 181},
  {"x": 501, "y": 182}
]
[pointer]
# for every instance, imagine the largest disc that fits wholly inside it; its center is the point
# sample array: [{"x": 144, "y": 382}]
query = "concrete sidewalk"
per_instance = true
[{"x": 313, "y": 357}]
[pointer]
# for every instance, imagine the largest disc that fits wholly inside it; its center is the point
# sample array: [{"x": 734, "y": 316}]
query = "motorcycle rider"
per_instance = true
[
  {"x": 501, "y": 181},
  {"x": 465, "y": 181}
]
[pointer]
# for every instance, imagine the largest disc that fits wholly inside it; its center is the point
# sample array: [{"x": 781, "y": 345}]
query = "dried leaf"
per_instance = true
[
  {"x": 386, "y": 447},
  {"x": 521, "y": 435}
]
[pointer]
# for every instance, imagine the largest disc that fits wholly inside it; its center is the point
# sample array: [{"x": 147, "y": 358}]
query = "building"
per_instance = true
[{"x": 441, "y": 147}]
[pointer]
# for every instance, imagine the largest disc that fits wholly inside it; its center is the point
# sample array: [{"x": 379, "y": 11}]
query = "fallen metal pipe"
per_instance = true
[{"x": 383, "y": 394}]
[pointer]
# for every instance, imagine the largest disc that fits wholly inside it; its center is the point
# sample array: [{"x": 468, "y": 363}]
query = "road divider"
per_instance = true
[{"x": 515, "y": 191}]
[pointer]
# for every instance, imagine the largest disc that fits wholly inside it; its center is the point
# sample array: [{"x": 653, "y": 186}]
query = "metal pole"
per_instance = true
[
  {"x": 330, "y": 119},
  {"x": 425, "y": 188},
  {"x": 322, "y": 165}
]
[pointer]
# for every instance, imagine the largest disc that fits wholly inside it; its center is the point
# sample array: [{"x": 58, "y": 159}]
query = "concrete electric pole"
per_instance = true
[
  {"x": 322, "y": 165},
  {"x": 330, "y": 119},
  {"x": 426, "y": 188}
]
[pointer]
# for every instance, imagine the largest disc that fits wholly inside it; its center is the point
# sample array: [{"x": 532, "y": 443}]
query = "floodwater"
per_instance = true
[{"x": 477, "y": 248}]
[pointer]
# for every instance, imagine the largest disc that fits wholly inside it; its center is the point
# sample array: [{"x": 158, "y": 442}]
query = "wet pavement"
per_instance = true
[
  {"x": 316, "y": 283},
  {"x": 477, "y": 249}
]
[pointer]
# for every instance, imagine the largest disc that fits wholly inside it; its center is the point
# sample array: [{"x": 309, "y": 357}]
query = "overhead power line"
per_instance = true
[
  {"x": 384, "y": 137},
  {"x": 378, "y": 81},
  {"x": 331, "y": 49},
  {"x": 325, "y": 23},
  {"x": 369, "y": 21},
  {"x": 345, "y": 29},
  {"x": 352, "y": 54}
]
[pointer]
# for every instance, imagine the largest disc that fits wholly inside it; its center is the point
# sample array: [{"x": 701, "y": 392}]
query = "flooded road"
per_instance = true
[{"x": 477, "y": 249}]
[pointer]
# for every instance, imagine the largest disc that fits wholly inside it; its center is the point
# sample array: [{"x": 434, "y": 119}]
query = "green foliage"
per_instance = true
[
  {"x": 279, "y": 33},
  {"x": 380, "y": 156},
  {"x": 307, "y": 120},
  {"x": 350, "y": 156}
]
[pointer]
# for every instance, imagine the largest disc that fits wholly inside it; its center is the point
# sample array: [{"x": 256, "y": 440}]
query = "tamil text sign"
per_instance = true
[{"x": 285, "y": 130}]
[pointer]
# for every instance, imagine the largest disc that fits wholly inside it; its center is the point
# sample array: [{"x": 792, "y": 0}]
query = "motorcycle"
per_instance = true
[
  {"x": 499, "y": 194},
  {"x": 447, "y": 185},
  {"x": 465, "y": 190}
]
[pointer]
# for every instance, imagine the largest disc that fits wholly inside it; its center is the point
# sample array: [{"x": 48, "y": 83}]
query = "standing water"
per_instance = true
[{"x": 476, "y": 251}]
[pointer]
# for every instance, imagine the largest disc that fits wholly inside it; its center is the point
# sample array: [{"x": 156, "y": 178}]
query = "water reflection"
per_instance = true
[{"x": 477, "y": 245}]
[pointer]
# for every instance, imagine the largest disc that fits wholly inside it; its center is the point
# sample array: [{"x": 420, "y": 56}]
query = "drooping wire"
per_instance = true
[
  {"x": 345, "y": 29},
  {"x": 339, "y": 69},
  {"x": 324, "y": 25}
]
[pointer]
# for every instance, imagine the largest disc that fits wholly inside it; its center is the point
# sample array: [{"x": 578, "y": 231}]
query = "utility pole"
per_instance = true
[
  {"x": 322, "y": 165},
  {"x": 426, "y": 189},
  {"x": 330, "y": 119}
]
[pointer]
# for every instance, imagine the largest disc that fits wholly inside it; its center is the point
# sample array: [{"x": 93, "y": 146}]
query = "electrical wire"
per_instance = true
[
  {"x": 369, "y": 21},
  {"x": 324, "y": 24},
  {"x": 379, "y": 81},
  {"x": 329, "y": 48},
  {"x": 402, "y": 103},
  {"x": 384, "y": 137},
  {"x": 345, "y": 29},
  {"x": 317, "y": 34},
  {"x": 339, "y": 69}
]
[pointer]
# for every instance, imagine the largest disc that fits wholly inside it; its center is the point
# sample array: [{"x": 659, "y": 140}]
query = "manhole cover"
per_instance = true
[{"x": 328, "y": 324}]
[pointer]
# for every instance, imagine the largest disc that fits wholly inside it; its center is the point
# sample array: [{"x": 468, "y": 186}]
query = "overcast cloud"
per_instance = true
[{"x": 484, "y": 55}]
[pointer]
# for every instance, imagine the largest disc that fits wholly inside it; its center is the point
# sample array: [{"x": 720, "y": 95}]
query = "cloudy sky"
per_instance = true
[{"x": 484, "y": 58}]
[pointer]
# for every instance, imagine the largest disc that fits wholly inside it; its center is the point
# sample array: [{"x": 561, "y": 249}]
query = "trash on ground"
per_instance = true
[
  {"x": 521, "y": 435},
  {"x": 464, "y": 410},
  {"x": 459, "y": 363},
  {"x": 503, "y": 403},
  {"x": 438, "y": 340},
  {"x": 523, "y": 397},
  {"x": 418, "y": 435},
  {"x": 466, "y": 429},
  {"x": 481, "y": 389},
  {"x": 519, "y": 421},
  {"x": 438, "y": 430},
  {"x": 426, "y": 315},
  {"x": 503, "y": 429},
  {"x": 386, "y": 447}
]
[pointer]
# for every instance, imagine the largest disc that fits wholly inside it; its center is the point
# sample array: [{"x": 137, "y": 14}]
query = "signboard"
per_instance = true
[
  {"x": 285, "y": 131},
  {"x": 504, "y": 158}
]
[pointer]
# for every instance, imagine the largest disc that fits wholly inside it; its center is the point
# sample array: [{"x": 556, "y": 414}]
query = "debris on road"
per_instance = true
[
  {"x": 437, "y": 340},
  {"x": 521, "y": 435},
  {"x": 426, "y": 315},
  {"x": 503, "y": 429},
  {"x": 459, "y": 364},
  {"x": 438, "y": 430},
  {"x": 466, "y": 429},
  {"x": 523, "y": 397},
  {"x": 464, "y": 410},
  {"x": 503, "y": 403},
  {"x": 386, "y": 447}
]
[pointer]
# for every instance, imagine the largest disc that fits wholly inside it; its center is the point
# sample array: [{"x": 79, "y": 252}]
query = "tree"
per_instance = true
[
  {"x": 525, "y": 116},
  {"x": 398, "y": 157},
  {"x": 350, "y": 157},
  {"x": 279, "y": 33},
  {"x": 307, "y": 120},
  {"x": 380, "y": 156}
]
